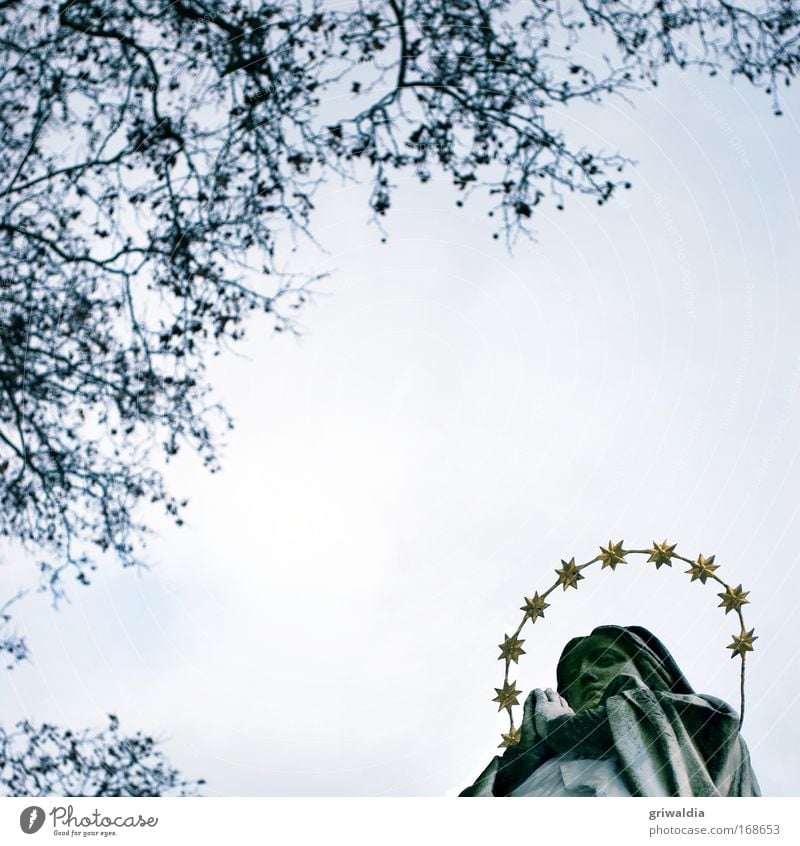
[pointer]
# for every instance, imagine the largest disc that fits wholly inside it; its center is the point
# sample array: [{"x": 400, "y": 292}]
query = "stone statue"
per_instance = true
[{"x": 624, "y": 722}]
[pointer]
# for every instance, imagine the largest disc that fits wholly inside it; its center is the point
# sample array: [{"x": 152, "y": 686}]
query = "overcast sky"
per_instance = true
[{"x": 453, "y": 421}]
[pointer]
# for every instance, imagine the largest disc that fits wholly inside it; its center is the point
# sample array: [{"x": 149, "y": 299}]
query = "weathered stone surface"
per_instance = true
[{"x": 624, "y": 722}]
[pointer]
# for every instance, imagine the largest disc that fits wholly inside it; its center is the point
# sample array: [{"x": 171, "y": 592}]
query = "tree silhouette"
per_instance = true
[
  {"x": 12, "y": 645},
  {"x": 45, "y": 760},
  {"x": 156, "y": 156}
]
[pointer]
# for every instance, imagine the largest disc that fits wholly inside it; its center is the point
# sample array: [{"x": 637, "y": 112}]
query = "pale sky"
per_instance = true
[{"x": 453, "y": 421}]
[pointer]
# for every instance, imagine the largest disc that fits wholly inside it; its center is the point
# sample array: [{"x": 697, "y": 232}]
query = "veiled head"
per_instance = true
[{"x": 589, "y": 664}]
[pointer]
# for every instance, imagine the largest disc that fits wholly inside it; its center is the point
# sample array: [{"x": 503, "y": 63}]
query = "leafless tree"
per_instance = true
[
  {"x": 44, "y": 760},
  {"x": 155, "y": 156}
]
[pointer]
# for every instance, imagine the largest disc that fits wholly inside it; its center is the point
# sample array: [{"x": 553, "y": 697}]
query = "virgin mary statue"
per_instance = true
[{"x": 624, "y": 722}]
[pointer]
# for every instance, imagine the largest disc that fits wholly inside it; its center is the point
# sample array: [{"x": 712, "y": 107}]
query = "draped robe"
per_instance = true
[{"x": 638, "y": 741}]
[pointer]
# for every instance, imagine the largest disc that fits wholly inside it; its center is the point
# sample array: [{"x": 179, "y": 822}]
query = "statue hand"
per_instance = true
[
  {"x": 549, "y": 706},
  {"x": 528, "y": 734}
]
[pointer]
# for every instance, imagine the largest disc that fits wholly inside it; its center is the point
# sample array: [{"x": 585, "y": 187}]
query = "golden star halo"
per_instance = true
[
  {"x": 612, "y": 555},
  {"x": 510, "y": 738},
  {"x": 535, "y": 606},
  {"x": 569, "y": 574},
  {"x": 507, "y": 695},
  {"x": 661, "y": 553},
  {"x": 742, "y": 643},
  {"x": 702, "y": 568},
  {"x": 511, "y": 649},
  {"x": 733, "y": 598}
]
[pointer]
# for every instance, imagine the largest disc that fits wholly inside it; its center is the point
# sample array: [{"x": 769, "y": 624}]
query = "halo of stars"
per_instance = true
[{"x": 701, "y": 569}]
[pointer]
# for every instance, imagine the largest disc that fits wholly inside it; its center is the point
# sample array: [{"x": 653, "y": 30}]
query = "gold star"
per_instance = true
[
  {"x": 511, "y": 738},
  {"x": 703, "y": 568},
  {"x": 613, "y": 555},
  {"x": 661, "y": 553},
  {"x": 569, "y": 574},
  {"x": 742, "y": 643},
  {"x": 507, "y": 695},
  {"x": 511, "y": 649},
  {"x": 535, "y": 605},
  {"x": 733, "y": 598}
]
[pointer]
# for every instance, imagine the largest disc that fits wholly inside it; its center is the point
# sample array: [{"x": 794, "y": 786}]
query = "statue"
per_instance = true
[{"x": 624, "y": 722}]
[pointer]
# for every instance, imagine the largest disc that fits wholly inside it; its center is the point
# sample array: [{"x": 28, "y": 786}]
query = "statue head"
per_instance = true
[{"x": 589, "y": 664}]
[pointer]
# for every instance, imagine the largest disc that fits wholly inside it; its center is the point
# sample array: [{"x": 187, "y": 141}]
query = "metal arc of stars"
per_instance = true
[{"x": 569, "y": 574}]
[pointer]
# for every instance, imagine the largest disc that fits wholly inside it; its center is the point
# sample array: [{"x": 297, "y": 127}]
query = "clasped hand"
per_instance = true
[
  {"x": 547, "y": 706},
  {"x": 542, "y": 708}
]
